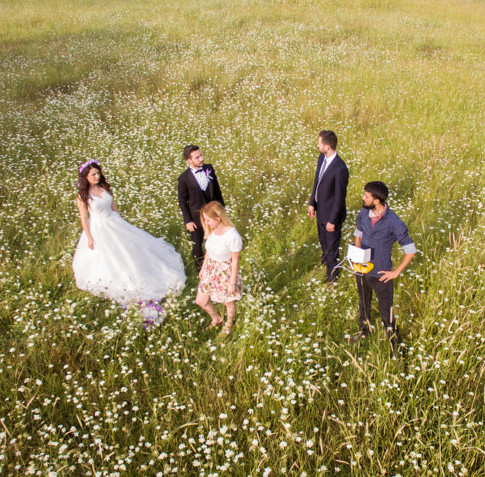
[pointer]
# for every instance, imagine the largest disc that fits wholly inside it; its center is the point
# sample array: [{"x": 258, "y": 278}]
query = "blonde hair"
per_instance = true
[{"x": 214, "y": 210}]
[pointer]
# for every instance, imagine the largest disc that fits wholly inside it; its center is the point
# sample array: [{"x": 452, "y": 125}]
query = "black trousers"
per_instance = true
[
  {"x": 198, "y": 238},
  {"x": 330, "y": 242},
  {"x": 385, "y": 296}
]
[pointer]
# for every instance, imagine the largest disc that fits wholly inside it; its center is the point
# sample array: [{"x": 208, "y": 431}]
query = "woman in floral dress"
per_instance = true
[{"x": 220, "y": 279}]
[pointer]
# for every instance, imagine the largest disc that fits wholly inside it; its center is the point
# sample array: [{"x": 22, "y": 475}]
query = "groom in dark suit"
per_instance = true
[
  {"x": 197, "y": 186},
  {"x": 328, "y": 200}
]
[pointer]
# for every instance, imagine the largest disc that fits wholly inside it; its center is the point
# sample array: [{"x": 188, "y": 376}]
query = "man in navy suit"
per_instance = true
[
  {"x": 197, "y": 186},
  {"x": 328, "y": 200}
]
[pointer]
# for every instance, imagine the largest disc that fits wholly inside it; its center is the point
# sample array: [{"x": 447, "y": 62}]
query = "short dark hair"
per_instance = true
[
  {"x": 378, "y": 190},
  {"x": 329, "y": 138},
  {"x": 188, "y": 150}
]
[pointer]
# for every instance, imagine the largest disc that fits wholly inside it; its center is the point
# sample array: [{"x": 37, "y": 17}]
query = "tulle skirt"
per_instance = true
[{"x": 127, "y": 263}]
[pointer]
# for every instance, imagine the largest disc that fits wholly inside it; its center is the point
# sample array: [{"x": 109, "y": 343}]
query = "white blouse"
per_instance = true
[{"x": 219, "y": 247}]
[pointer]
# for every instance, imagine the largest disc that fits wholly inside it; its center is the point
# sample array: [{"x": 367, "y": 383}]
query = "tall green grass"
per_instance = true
[{"x": 86, "y": 390}]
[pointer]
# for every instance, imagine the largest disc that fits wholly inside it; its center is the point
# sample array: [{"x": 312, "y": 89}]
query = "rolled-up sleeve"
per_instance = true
[
  {"x": 409, "y": 248},
  {"x": 402, "y": 237},
  {"x": 359, "y": 230}
]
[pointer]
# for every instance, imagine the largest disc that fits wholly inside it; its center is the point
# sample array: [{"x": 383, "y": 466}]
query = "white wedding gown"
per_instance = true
[{"x": 127, "y": 263}]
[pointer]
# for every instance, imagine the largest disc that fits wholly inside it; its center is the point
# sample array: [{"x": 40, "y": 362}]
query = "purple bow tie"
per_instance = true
[{"x": 199, "y": 170}]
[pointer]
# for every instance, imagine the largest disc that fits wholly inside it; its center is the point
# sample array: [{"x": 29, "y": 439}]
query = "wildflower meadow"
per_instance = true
[{"x": 87, "y": 388}]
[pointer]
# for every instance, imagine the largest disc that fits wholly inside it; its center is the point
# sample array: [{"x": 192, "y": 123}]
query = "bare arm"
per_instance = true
[
  {"x": 402, "y": 237},
  {"x": 234, "y": 269},
  {"x": 114, "y": 208},
  {"x": 204, "y": 264},
  {"x": 83, "y": 214},
  {"x": 390, "y": 275},
  {"x": 358, "y": 241}
]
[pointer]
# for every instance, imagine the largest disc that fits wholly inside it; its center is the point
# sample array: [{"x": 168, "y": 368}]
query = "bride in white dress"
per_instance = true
[{"x": 113, "y": 258}]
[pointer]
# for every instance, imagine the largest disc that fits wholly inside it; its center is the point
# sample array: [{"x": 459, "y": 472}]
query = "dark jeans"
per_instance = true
[
  {"x": 330, "y": 242},
  {"x": 385, "y": 295},
  {"x": 197, "y": 253}
]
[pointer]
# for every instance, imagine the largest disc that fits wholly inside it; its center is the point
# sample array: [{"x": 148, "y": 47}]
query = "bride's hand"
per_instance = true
[{"x": 91, "y": 244}]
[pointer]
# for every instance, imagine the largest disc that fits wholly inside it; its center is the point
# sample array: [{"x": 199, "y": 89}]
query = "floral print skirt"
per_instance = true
[{"x": 215, "y": 279}]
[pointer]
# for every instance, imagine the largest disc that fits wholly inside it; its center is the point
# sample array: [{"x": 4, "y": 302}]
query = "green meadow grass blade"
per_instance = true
[{"x": 85, "y": 389}]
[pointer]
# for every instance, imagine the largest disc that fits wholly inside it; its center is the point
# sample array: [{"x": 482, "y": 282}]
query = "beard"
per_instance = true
[{"x": 368, "y": 207}]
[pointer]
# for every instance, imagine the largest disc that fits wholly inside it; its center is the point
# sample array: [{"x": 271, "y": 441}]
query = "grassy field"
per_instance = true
[{"x": 86, "y": 390}]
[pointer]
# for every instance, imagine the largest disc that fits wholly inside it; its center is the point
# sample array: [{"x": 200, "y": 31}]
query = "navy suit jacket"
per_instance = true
[
  {"x": 192, "y": 198},
  {"x": 332, "y": 192}
]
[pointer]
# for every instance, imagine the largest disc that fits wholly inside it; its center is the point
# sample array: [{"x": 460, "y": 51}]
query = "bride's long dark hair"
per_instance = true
[{"x": 83, "y": 184}]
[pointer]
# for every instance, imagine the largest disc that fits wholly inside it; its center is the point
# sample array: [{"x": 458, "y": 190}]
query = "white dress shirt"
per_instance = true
[
  {"x": 325, "y": 164},
  {"x": 328, "y": 161},
  {"x": 200, "y": 177}
]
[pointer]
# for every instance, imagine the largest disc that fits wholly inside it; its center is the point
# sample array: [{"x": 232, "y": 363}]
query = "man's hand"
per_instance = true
[
  {"x": 311, "y": 211},
  {"x": 390, "y": 275},
  {"x": 191, "y": 227},
  {"x": 330, "y": 227}
]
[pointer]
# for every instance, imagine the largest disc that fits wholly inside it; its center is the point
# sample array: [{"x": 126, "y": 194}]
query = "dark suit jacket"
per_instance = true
[
  {"x": 191, "y": 196},
  {"x": 331, "y": 192}
]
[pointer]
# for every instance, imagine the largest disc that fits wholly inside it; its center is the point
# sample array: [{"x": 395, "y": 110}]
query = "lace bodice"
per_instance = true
[{"x": 100, "y": 206}]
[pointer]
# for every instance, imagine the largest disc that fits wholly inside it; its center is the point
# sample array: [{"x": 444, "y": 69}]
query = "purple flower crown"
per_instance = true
[{"x": 87, "y": 163}]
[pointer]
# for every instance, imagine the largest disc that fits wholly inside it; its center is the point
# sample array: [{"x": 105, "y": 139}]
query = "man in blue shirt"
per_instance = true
[{"x": 378, "y": 227}]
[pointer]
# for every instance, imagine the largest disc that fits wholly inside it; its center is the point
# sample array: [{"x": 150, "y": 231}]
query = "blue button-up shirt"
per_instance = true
[{"x": 380, "y": 238}]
